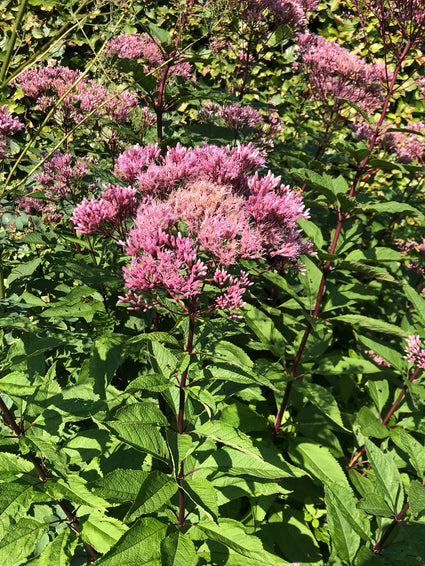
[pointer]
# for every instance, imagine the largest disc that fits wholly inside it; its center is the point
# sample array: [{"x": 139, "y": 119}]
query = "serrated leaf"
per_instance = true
[
  {"x": 151, "y": 382},
  {"x": 58, "y": 552},
  {"x": 12, "y": 466},
  {"x": 371, "y": 271},
  {"x": 379, "y": 391},
  {"x": 416, "y": 497},
  {"x": 20, "y": 540},
  {"x": 392, "y": 356},
  {"x": 335, "y": 364},
  {"x": 155, "y": 491},
  {"x": 345, "y": 540},
  {"x": 371, "y": 324},
  {"x": 24, "y": 270},
  {"x": 414, "y": 449},
  {"x": 120, "y": 485},
  {"x": 15, "y": 499},
  {"x": 141, "y": 413},
  {"x": 17, "y": 384},
  {"x": 102, "y": 532},
  {"x": 202, "y": 493},
  {"x": 145, "y": 438},
  {"x": 265, "y": 329},
  {"x": 75, "y": 489},
  {"x": 322, "y": 399},
  {"x": 139, "y": 545},
  {"x": 318, "y": 461},
  {"x": 388, "y": 480},
  {"x": 393, "y": 208},
  {"x": 178, "y": 550},
  {"x": 370, "y": 425},
  {"x": 232, "y": 534},
  {"x": 374, "y": 504},
  {"x": 106, "y": 357},
  {"x": 345, "y": 503},
  {"x": 417, "y": 301}
]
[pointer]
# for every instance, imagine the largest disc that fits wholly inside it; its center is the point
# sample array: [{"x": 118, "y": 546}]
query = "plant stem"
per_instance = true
[
  {"x": 396, "y": 403},
  {"x": 12, "y": 40},
  {"x": 11, "y": 422},
  {"x": 180, "y": 415},
  {"x": 341, "y": 219},
  {"x": 397, "y": 519}
]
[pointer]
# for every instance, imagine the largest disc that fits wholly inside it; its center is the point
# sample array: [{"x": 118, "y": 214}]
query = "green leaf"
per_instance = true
[
  {"x": 345, "y": 540},
  {"x": 236, "y": 463},
  {"x": 416, "y": 497},
  {"x": 414, "y": 449},
  {"x": 141, "y": 413},
  {"x": 120, "y": 485},
  {"x": 155, "y": 491},
  {"x": 24, "y": 270},
  {"x": 106, "y": 357},
  {"x": 265, "y": 329},
  {"x": 371, "y": 271},
  {"x": 392, "y": 356},
  {"x": 417, "y": 301},
  {"x": 388, "y": 480},
  {"x": 369, "y": 424},
  {"x": 393, "y": 208},
  {"x": 20, "y": 540},
  {"x": 379, "y": 391},
  {"x": 102, "y": 532},
  {"x": 371, "y": 324},
  {"x": 375, "y": 255},
  {"x": 145, "y": 438},
  {"x": 12, "y": 466},
  {"x": 178, "y": 550},
  {"x": 151, "y": 382},
  {"x": 75, "y": 489},
  {"x": 17, "y": 384},
  {"x": 322, "y": 399},
  {"x": 312, "y": 231},
  {"x": 318, "y": 461},
  {"x": 232, "y": 534},
  {"x": 335, "y": 364},
  {"x": 15, "y": 500},
  {"x": 345, "y": 504},
  {"x": 59, "y": 552},
  {"x": 202, "y": 493},
  {"x": 374, "y": 504},
  {"x": 139, "y": 545}
]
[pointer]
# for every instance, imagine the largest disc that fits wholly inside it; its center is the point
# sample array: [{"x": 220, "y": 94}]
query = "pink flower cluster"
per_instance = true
[
  {"x": 415, "y": 354},
  {"x": 335, "y": 74},
  {"x": 201, "y": 210},
  {"x": 377, "y": 359},
  {"x": 143, "y": 47},
  {"x": 157, "y": 175},
  {"x": 275, "y": 13},
  {"x": 61, "y": 180},
  {"x": 107, "y": 215},
  {"x": 46, "y": 85},
  {"x": 238, "y": 117},
  {"x": 8, "y": 126}
]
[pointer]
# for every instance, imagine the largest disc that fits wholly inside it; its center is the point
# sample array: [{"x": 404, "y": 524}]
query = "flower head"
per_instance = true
[
  {"x": 8, "y": 126},
  {"x": 415, "y": 354}
]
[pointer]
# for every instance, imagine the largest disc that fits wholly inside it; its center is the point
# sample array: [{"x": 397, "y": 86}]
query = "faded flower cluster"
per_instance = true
[
  {"x": 193, "y": 214},
  {"x": 61, "y": 180},
  {"x": 144, "y": 48},
  {"x": 336, "y": 75},
  {"x": 8, "y": 126},
  {"x": 46, "y": 85},
  {"x": 263, "y": 128}
]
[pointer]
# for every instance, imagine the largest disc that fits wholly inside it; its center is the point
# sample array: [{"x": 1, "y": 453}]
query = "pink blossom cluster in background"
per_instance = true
[
  {"x": 200, "y": 211},
  {"x": 335, "y": 74},
  {"x": 377, "y": 359},
  {"x": 46, "y": 85},
  {"x": 415, "y": 354},
  {"x": 262, "y": 14},
  {"x": 407, "y": 145},
  {"x": 143, "y": 47},
  {"x": 237, "y": 117},
  {"x": 8, "y": 126},
  {"x": 409, "y": 247},
  {"x": 61, "y": 180}
]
